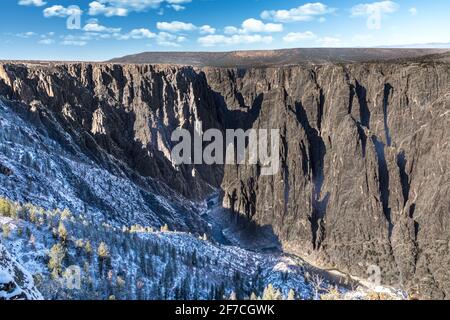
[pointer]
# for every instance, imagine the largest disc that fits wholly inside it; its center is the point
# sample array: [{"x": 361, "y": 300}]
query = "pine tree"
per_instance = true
[
  {"x": 5, "y": 207},
  {"x": 271, "y": 294},
  {"x": 253, "y": 296},
  {"x": 103, "y": 250},
  {"x": 88, "y": 247},
  {"x": 62, "y": 232},
  {"x": 291, "y": 295},
  {"x": 6, "y": 231},
  {"x": 57, "y": 255}
]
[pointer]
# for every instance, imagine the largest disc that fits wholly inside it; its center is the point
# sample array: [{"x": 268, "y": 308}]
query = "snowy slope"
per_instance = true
[
  {"x": 49, "y": 170},
  {"x": 15, "y": 282}
]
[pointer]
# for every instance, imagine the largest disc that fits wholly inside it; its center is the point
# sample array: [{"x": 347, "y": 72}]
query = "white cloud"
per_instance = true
[
  {"x": 36, "y": 3},
  {"x": 293, "y": 37},
  {"x": 61, "y": 12},
  {"x": 175, "y": 26},
  {"x": 256, "y": 26},
  {"x": 26, "y": 34},
  {"x": 124, "y": 7},
  {"x": 97, "y": 8},
  {"x": 413, "y": 11},
  {"x": 328, "y": 42},
  {"x": 231, "y": 30},
  {"x": 169, "y": 40},
  {"x": 94, "y": 26},
  {"x": 46, "y": 41},
  {"x": 137, "y": 34},
  {"x": 177, "y": 7},
  {"x": 77, "y": 43},
  {"x": 374, "y": 12},
  {"x": 206, "y": 29},
  {"x": 306, "y": 12},
  {"x": 213, "y": 40}
]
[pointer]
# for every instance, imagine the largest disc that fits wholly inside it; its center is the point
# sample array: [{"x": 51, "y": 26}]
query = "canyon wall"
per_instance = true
[{"x": 365, "y": 153}]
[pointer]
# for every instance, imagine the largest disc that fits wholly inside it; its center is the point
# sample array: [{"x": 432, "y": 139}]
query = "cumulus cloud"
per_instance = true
[
  {"x": 306, "y": 12},
  {"x": 137, "y": 34},
  {"x": 294, "y": 37},
  {"x": 254, "y": 26},
  {"x": 61, "y": 11},
  {"x": 124, "y": 7},
  {"x": 374, "y": 12},
  {"x": 214, "y": 40},
  {"x": 36, "y": 3},
  {"x": 178, "y": 26},
  {"x": 94, "y": 26},
  {"x": 175, "y": 26},
  {"x": 97, "y": 8},
  {"x": 231, "y": 30},
  {"x": 206, "y": 29},
  {"x": 169, "y": 40}
]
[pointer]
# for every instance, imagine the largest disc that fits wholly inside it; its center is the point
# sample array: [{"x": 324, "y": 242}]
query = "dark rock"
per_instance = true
[
  {"x": 5, "y": 170},
  {"x": 365, "y": 175}
]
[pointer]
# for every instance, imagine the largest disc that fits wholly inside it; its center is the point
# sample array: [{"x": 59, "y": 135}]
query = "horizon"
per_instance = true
[
  {"x": 74, "y": 30},
  {"x": 109, "y": 60}
]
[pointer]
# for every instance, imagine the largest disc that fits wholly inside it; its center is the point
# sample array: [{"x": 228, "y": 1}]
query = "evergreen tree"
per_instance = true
[
  {"x": 5, "y": 207},
  {"x": 103, "y": 250},
  {"x": 291, "y": 295},
  {"x": 233, "y": 296},
  {"x": 253, "y": 296},
  {"x": 270, "y": 293},
  {"x": 62, "y": 232},
  {"x": 57, "y": 255},
  {"x": 6, "y": 231}
]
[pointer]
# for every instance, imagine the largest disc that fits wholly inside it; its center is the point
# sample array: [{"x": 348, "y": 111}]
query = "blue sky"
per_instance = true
[{"x": 38, "y": 29}]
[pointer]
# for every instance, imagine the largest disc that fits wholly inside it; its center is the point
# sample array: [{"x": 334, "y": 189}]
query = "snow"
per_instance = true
[{"x": 50, "y": 171}]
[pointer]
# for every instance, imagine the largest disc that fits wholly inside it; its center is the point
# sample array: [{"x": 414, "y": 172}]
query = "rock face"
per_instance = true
[
  {"x": 15, "y": 282},
  {"x": 365, "y": 153}
]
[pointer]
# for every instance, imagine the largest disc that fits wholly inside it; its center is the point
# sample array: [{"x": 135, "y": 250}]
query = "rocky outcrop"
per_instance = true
[
  {"x": 15, "y": 282},
  {"x": 364, "y": 176},
  {"x": 365, "y": 166}
]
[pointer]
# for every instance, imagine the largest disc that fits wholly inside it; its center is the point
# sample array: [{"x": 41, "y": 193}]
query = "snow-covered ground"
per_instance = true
[
  {"x": 16, "y": 283},
  {"x": 50, "y": 170},
  {"x": 108, "y": 243}
]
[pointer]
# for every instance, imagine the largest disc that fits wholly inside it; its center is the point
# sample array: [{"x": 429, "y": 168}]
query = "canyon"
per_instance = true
[{"x": 364, "y": 152}]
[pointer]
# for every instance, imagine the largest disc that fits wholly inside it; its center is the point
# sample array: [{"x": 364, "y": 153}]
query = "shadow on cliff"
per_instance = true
[{"x": 239, "y": 215}]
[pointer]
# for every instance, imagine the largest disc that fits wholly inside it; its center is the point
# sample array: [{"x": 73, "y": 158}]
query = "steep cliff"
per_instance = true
[{"x": 364, "y": 176}]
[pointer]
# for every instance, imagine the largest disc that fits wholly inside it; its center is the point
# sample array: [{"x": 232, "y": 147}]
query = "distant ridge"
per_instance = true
[{"x": 277, "y": 57}]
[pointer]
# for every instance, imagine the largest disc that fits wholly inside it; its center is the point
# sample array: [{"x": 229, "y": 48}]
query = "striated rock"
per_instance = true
[
  {"x": 15, "y": 282},
  {"x": 364, "y": 176}
]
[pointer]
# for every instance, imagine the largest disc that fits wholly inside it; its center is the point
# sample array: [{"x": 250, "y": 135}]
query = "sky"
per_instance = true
[{"x": 104, "y": 29}]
